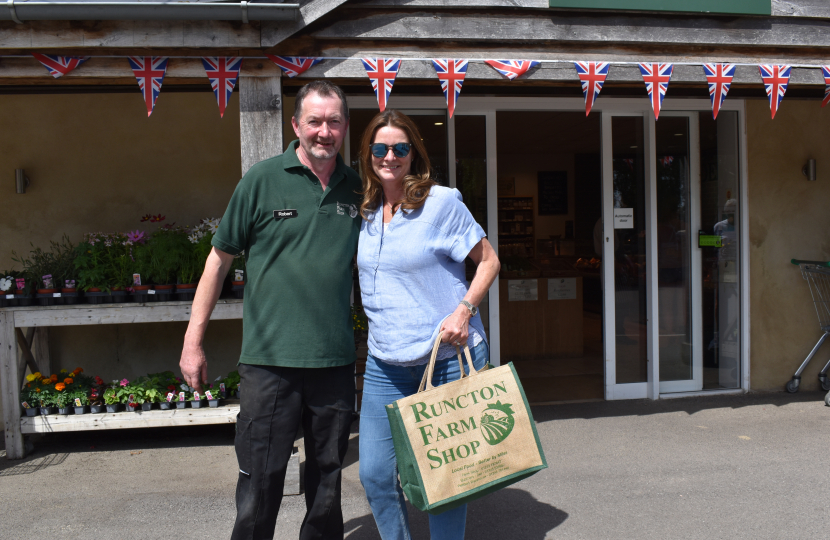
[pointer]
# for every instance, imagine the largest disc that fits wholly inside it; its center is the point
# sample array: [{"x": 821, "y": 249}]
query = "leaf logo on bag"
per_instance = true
[{"x": 496, "y": 422}]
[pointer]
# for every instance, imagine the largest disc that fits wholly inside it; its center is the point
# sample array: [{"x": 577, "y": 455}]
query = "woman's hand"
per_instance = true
[{"x": 456, "y": 327}]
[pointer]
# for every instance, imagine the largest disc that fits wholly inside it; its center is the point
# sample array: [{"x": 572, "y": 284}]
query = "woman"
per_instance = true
[{"x": 413, "y": 242}]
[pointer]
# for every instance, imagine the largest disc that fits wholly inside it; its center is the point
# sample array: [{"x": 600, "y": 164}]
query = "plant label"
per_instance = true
[
  {"x": 56, "y": 295},
  {"x": 239, "y": 275},
  {"x": 21, "y": 283},
  {"x": 9, "y": 297},
  {"x": 196, "y": 396},
  {"x": 47, "y": 281},
  {"x": 131, "y": 399},
  {"x": 208, "y": 394},
  {"x": 170, "y": 396},
  {"x": 151, "y": 291},
  {"x": 136, "y": 279},
  {"x": 69, "y": 283},
  {"x": 25, "y": 405},
  {"x": 221, "y": 387},
  {"x": 78, "y": 402},
  {"x": 181, "y": 396}
]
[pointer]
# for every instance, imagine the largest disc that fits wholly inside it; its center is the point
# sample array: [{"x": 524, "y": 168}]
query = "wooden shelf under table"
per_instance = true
[{"x": 55, "y": 423}]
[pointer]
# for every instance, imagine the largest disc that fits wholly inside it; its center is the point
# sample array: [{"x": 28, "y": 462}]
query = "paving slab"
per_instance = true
[{"x": 750, "y": 466}]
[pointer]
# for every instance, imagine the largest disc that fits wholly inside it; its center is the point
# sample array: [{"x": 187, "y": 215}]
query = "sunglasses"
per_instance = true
[{"x": 379, "y": 150}]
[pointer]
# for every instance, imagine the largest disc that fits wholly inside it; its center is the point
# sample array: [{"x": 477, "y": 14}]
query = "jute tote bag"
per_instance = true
[{"x": 465, "y": 439}]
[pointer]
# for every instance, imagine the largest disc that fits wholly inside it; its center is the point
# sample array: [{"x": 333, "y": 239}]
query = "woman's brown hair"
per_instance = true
[{"x": 416, "y": 184}]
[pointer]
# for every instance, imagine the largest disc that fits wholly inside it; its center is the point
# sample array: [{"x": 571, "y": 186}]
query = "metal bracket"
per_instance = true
[
  {"x": 13, "y": 12},
  {"x": 244, "y": 6}
]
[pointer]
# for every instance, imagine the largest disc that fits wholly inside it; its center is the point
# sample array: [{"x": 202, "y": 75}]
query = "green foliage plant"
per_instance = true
[
  {"x": 168, "y": 246},
  {"x": 111, "y": 396},
  {"x": 63, "y": 254},
  {"x": 39, "y": 263},
  {"x": 91, "y": 264}
]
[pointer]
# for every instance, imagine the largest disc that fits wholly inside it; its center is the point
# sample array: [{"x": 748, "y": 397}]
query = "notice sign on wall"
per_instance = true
[
  {"x": 522, "y": 290},
  {"x": 562, "y": 289},
  {"x": 623, "y": 218}
]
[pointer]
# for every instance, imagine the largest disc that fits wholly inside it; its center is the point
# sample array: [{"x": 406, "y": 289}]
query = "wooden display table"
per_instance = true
[{"x": 12, "y": 369}]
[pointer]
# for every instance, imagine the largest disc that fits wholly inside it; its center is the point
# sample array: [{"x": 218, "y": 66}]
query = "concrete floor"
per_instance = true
[{"x": 733, "y": 467}]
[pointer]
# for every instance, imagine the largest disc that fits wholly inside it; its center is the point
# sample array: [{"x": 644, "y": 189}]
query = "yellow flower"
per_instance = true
[
  {"x": 46, "y": 381},
  {"x": 63, "y": 371},
  {"x": 31, "y": 377},
  {"x": 37, "y": 390},
  {"x": 38, "y": 375}
]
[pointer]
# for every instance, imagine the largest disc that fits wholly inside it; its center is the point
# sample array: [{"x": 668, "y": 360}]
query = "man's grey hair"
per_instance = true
[{"x": 323, "y": 88}]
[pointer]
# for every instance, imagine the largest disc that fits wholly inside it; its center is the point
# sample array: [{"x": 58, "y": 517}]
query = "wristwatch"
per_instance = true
[{"x": 471, "y": 308}]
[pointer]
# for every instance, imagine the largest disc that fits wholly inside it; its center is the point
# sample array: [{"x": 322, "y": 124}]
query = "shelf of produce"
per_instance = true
[
  {"x": 56, "y": 423},
  {"x": 13, "y": 318}
]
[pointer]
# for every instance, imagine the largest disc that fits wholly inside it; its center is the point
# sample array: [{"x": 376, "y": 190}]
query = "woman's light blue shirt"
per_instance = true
[{"x": 412, "y": 276}]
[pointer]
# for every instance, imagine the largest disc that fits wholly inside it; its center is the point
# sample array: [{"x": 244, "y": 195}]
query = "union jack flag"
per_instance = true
[
  {"x": 667, "y": 160},
  {"x": 294, "y": 65},
  {"x": 629, "y": 162},
  {"x": 222, "y": 73},
  {"x": 659, "y": 74},
  {"x": 451, "y": 74},
  {"x": 59, "y": 65},
  {"x": 826, "y": 71},
  {"x": 775, "y": 79},
  {"x": 592, "y": 75},
  {"x": 381, "y": 72},
  {"x": 149, "y": 72},
  {"x": 719, "y": 77},
  {"x": 512, "y": 68}
]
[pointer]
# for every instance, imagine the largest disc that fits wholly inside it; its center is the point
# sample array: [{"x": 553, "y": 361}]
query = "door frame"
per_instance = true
[{"x": 607, "y": 107}]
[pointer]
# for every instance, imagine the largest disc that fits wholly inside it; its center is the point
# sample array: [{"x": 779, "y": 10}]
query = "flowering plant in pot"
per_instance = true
[
  {"x": 38, "y": 268},
  {"x": 131, "y": 395},
  {"x": 34, "y": 392},
  {"x": 96, "y": 396},
  {"x": 196, "y": 398},
  {"x": 111, "y": 398},
  {"x": 62, "y": 398},
  {"x": 166, "y": 246},
  {"x": 91, "y": 266},
  {"x": 119, "y": 265}
]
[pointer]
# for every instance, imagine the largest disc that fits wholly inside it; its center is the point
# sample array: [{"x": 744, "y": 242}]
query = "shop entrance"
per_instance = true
[{"x": 549, "y": 191}]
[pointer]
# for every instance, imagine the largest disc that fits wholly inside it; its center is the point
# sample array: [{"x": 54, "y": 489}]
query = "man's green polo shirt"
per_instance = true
[{"x": 299, "y": 242}]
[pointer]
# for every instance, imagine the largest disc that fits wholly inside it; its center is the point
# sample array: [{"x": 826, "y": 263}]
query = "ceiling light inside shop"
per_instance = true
[
  {"x": 635, "y": 147},
  {"x": 678, "y": 134},
  {"x": 439, "y": 123}
]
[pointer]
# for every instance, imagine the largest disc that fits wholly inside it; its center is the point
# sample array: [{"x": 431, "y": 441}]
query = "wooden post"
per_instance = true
[
  {"x": 41, "y": 343},
  {"x": 260, "y": 116},
  {"x": 10, "y": 386}
]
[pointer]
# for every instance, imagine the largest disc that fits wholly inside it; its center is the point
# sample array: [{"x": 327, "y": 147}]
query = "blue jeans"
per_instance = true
[{"x": 384, "y": 384}]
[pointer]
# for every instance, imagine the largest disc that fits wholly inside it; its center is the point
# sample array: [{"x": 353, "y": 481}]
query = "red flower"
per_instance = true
[
  {"x": 171, "y": 387},
  {"x": 158, "y": 218},
  {"x": 134, "y": 405},
  {"x": 148, "y": 217}
]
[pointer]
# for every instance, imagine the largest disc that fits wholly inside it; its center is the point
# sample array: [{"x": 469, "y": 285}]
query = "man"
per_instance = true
[{"x": 296, "y": 218}]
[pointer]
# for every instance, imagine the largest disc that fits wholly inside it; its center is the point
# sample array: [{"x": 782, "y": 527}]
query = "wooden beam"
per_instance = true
[
  {"x": 801, "y": 8},
  {"x": 25, "y": 345},
  {"x": 260, "y": 117},
  {"x": 121, "y": 34},
  {"x": 416, "y": 28},
  {"x": 274, "y": 32},
  {"x": 9, "y": 388},
  {"x": 43, "y": 356},
  {"x": 452, "y": 4}
]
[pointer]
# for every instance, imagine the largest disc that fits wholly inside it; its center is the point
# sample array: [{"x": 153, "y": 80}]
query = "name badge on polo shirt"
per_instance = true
[{"x": 284, "y": 214}]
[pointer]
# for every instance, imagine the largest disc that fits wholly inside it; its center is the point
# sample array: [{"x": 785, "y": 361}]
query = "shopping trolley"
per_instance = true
[{"x": 817, "y": 275}]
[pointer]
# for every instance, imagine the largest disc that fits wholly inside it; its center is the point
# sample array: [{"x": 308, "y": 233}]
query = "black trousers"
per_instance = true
[{"x": 274, "y": 402}]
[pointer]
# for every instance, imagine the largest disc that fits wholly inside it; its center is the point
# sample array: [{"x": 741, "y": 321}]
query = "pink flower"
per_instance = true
[
  {"x": 136, "y": 237},
  {"x": 124, "y": 382}
]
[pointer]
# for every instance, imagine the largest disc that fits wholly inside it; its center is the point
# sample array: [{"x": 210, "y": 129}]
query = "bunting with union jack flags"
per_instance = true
[
  {"x": 826, "y": 71},
  {"x": 656, "y": 77},
  {"x": 719, "y": 77},
  {"x": 222, "y": 72},
  {"x": 149, "y": 72},
  {"x": 512, "y": 69},
  {"x": 382, "y": 72},
  {"x": 451, "y": 74},
  {"x": 59, "y": 66},
  {"x": 776, "y": 78},
  {"x": 592, "y": 75},
  {"x": 294, "y": 65}
]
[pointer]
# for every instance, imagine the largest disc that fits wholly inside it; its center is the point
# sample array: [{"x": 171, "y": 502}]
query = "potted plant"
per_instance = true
[
  {"x": 213, "y": 395},
  {"x": 7, "y": 288},
  {"x": 142, "y": 289},
  {"x": 181, "y": 399},
  {"x": 111, "y": 398},
  {"x": 91, "y": 267},
  {"x": 196, "y": 399},
  {"x": 96, "y": 396},
  {"x": 237, "y": 273},
  {"x": 167, "y": 246},
  {"x": 63, "y": 271},
  {"x": 30, "y": 395},
  {"x": 62, "y": 397},
  {"x": 231, "y": 384},
  {"x": 78, "y": 388},
  {"x": 131, "y": 395},
  {"x": 38, "y": 268}
]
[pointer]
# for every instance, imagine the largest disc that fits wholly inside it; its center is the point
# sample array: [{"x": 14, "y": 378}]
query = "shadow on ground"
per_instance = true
[
  {"x": 492, "y": 516},
  {"x": 690, "y": 405}
]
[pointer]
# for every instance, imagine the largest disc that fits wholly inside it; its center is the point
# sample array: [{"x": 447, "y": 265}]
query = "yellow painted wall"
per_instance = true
[
  {"x": 789, "y": 217},
  {"x": 98, "y": 163}
]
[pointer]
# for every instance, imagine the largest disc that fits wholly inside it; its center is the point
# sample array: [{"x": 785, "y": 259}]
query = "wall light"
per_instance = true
[
  {"x": 809, "y": 170},
  {"x": 21, "y": 181}
]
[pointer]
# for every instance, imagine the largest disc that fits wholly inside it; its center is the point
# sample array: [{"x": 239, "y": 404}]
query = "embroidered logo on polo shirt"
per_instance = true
[{"x": 343, "y": 208}]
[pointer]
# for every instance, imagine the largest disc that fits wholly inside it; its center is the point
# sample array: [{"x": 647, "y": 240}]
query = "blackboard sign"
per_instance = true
[{"x": 553, "y": 193}]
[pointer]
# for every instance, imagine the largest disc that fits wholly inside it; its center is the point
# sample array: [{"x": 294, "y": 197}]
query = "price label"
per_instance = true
[
  {"x": 181, "y": 396},
  {"x": 170, "y": 396},
  {"x": 196, "y": 396},
  {"x": 78, "y": 402},
  {"x": 56, "y": 295},
  {"x": 25, "y": 405},
  {"x": 9, "y": 297},
  {"x": 208, "y": 394},
  {"x": 151, "y": 291}
]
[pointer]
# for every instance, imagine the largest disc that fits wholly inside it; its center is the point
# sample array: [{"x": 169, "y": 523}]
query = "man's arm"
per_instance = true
[{"x": 193, "y": 362}]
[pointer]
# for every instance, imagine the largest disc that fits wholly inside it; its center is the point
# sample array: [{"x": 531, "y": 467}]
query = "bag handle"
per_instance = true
[{"x": 426, "y": 380}]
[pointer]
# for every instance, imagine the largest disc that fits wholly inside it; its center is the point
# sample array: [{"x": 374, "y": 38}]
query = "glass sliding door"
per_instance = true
[{"x": 678, "y": 268}]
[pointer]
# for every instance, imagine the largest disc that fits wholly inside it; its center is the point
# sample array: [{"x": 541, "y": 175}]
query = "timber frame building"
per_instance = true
[{"x": 641, "y": 257}]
